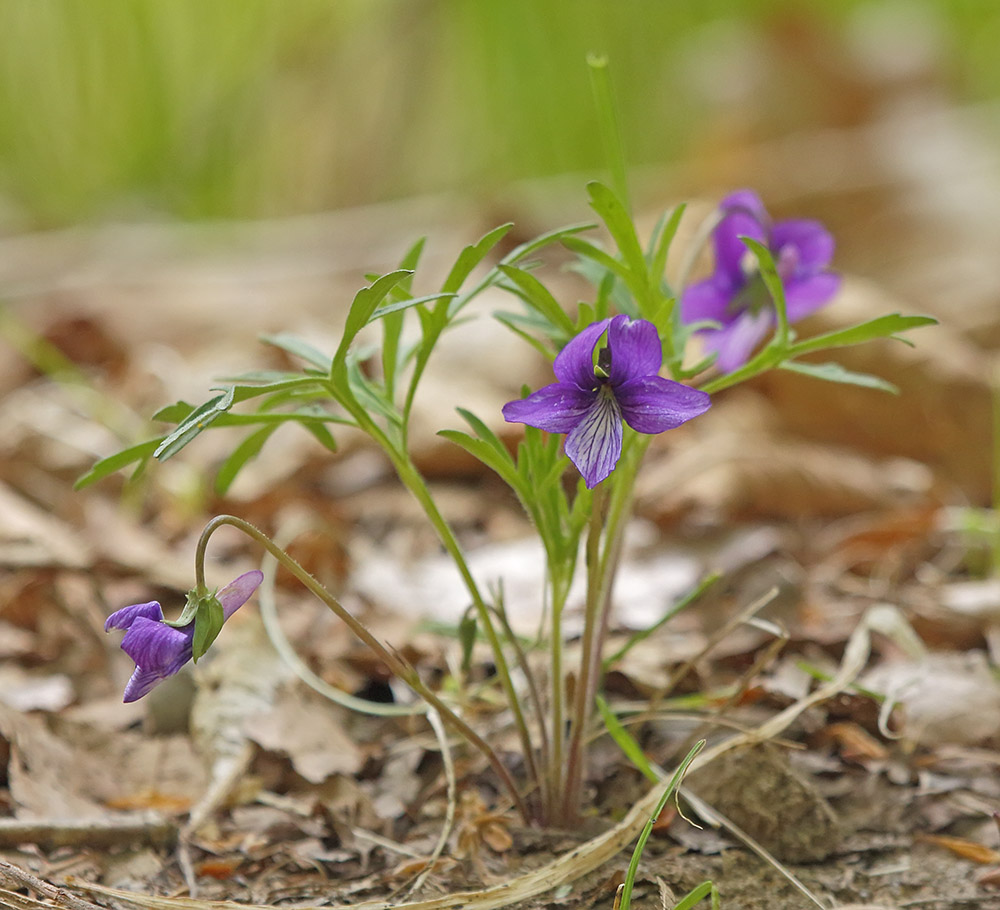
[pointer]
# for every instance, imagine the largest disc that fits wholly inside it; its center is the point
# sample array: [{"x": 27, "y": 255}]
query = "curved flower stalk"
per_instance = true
[
  {"x": 589, "y": 402},
  {"x": 160, "y": 649},
  {"x": 735, "y": 297}
]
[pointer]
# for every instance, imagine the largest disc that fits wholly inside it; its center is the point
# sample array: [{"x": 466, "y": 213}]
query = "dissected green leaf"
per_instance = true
[
  {"x": 365, "y": 303},
  {"x": 173, "y": 413},
  {"x": 249, "y": 448},
  {"x": 663, "y": 237},
  {"x": 399, "y": 305},
  {"x": 482, "y": 451},
  {"x": 106, "y": 466},
  {"x": 772, "y": 281},
  {"x": 539, "y": 297},
  {"x": 881, "y": 327},
  {"x": 471, "y": 256},
  {"x": 834, "y": 372},
  {"x": 619, "y": 224},
  {"x": 193, "y": 424},
  {"x": 299, "y": 348}
]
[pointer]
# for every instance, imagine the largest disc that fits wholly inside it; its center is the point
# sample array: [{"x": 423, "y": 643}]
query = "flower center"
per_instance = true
[{"x": 602, "y": 369}]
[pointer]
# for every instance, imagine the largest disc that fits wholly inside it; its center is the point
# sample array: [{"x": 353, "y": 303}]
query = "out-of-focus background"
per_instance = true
[
  {"x": 197, "y": 110},
  {"x": 184, "y": 176}
]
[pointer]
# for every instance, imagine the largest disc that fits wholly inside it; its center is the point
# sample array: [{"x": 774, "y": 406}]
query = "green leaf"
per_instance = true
[
  {"x": 626, "y": 742},
  {"x": 249, "y": 448},
  {"x": 663, "y": 237},
  {"x": 173, "y": 413},
  {"x": 881, "y": 327},
  {"x": 616, "y": 218},
  {"x": 834, "y": 372},
  {"x": 471, "y": 256},
  {"x": 484, "y": 452},
  {"x": 543, "y": 240},
  {"x": 514, "y": 321},
  {"x": 696, "y": 895},
  {"x": 207, "y": 625},
  {"x": 772, "y": 281},
  {"x": 633, "y": 867},
  {"x": 635, "y": 283},
  {"x": 106, "y": 466},
  {"x": 298, "y": 348},
  {"x": 539, "y": 298},
  {"x": 193, "y": 424},
  {"x": 245, "y": 392},
  {"x": 366, "y": 301},
  {"x": 406, "y": 304},
  {"x": 322, "y": 434},
  {"x": 270, "y": 377}
]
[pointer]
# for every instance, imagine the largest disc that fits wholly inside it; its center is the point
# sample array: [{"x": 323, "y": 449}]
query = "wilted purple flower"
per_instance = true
[
  {"x": 160, "y": 650},
  {"x": 735, "y": 295},
  {"x": 589, "y": 402}
]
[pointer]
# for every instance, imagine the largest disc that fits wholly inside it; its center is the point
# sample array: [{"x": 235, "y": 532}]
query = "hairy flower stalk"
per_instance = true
[{"x": 734, "y": 296}]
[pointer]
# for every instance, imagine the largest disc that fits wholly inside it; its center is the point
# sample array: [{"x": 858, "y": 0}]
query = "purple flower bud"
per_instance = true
[
  {"x": 589, "y": 403},
  {"x": 734, "y": 295},
  {"x": 160, "y": 650}
]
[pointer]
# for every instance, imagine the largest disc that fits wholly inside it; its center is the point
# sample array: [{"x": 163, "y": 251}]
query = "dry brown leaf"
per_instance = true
[
  {"x": 945, "y": 697},
  {"x": 967, "y": 849},
  {"x": 304, "y": 727},
  {"x": 70, "y": 770},
  {"x": 856, "y": 744},
  {"x": 736, "y": 463},
  {"x": 30, "y": 536},
  {"x": 945, "y": 394}
]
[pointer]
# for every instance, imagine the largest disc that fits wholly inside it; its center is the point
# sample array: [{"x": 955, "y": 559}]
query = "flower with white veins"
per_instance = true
[{"x": 589, "y": 402}]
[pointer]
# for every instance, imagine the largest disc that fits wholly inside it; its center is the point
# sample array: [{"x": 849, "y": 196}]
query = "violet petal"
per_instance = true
[
  {"x": 735, "y": 343},
  {"x": 555, "y": 408},
  {"x": 595, "y": 444},
  {"x": 747, "y": 201},
  {"x": 140, "y": 683},
  {"x": 635, "y": 349},
  {"x": 708, "y": 300},
  {"x": 123, "y": 618},
  {"x": 157, "y": 647},
  {"x": 575, "y": 362},
  {"x": 806, "y": 295},
  {"x": 814, "y": 242},
  {"x": 652, "y": 404},
  {"x": 239, "y": 591},
  {"x": 730, "y": 250}
]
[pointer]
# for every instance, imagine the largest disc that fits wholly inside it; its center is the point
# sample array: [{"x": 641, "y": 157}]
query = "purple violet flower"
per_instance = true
[
  {"x": 735, "y": 295},
  {"x": 160, "y": 650},
  {"x": 589, "y": 402}
]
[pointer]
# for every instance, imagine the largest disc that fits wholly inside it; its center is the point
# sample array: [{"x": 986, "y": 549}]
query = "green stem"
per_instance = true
[
  {"x": 413, "y": 480},
  {"x": 585, "y": 684},
  {"x": 415, "y": 483},
  {"x": 996, "y": 467},
  {"x": 611, "y": 132},
  {"x": 560, "y": 591},
  {"x": 393, "y": 661}
]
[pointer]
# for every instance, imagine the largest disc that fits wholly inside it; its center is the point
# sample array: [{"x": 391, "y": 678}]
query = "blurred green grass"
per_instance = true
[{"x": 247, "y": 108}]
